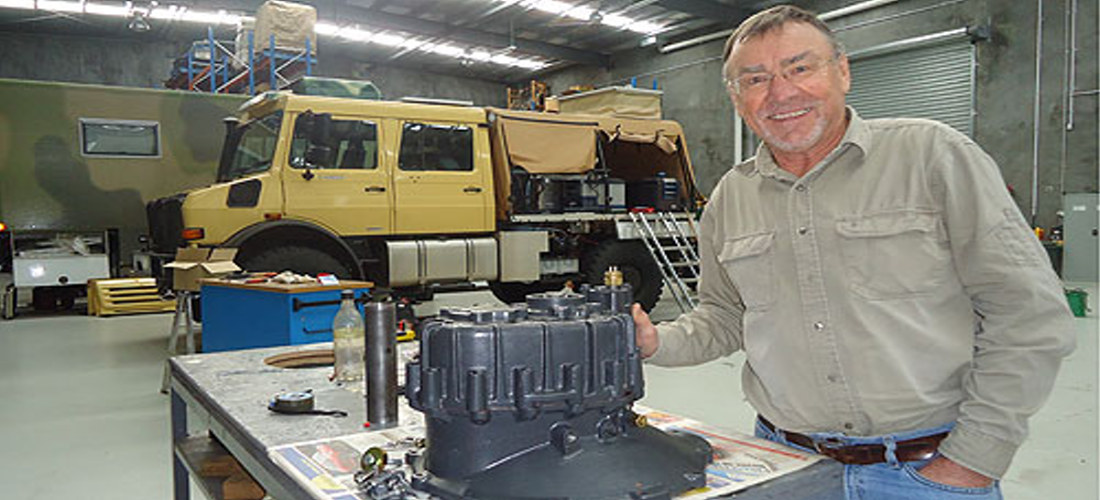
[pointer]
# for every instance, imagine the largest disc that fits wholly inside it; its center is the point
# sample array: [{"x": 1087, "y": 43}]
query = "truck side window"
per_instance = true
[
  {"x": 254, "y": 147},
  {"x": 427, "y": 147},
  {"x": 354, "y": 145}
]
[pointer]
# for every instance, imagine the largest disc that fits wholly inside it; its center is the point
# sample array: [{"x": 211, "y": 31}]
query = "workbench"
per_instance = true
[{"x": 227, "y": 394}]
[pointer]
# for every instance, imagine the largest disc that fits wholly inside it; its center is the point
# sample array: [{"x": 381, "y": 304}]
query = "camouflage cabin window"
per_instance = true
[
  {"x": 427, "y": 147},
  {"x": 119, "y": 138},
  {"x": 352, "y": 144}
]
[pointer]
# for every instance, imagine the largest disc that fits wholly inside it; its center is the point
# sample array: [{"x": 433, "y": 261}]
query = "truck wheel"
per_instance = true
[
  {"x": 301, "y": 260},
  {"x": 516, "y": 292},
  {"x": 637, "y": 265}
]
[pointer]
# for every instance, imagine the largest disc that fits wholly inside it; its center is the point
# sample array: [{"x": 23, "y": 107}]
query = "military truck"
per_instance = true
[
  {"x": 422, "y": 197},
  {"x": 80, "y": 159}
]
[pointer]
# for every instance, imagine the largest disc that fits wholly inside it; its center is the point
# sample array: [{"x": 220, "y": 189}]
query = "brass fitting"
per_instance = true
[{"x": 613, "y": 276}]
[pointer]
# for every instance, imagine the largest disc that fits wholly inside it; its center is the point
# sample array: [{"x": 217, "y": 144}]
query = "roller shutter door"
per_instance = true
[{"x": 935, "y": 82}]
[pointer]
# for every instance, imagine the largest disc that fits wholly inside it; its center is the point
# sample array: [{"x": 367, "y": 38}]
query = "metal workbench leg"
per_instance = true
[
  {"x": 180, "y": 479},
  {"x": 189, "y": 321}
]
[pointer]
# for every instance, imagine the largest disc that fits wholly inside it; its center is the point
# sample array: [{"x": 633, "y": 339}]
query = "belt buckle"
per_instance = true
[{"x": 827, "y": 445}]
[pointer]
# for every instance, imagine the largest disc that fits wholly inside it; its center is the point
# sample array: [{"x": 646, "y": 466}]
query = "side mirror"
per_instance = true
[
  {"x": 316, "y": 128},
  {"x": 318, "y": 156}
]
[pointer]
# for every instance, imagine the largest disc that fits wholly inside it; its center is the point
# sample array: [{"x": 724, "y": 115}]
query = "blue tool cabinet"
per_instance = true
[{"x": 245, "y": 316}]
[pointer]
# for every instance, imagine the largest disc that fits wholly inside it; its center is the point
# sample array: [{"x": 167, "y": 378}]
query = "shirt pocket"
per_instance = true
[
  {"x": 749, "y": 262},
  {"x": 896, "y": 254}
]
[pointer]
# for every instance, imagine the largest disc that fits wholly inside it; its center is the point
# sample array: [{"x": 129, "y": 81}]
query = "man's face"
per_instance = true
[{"x": 804, "y": 100}]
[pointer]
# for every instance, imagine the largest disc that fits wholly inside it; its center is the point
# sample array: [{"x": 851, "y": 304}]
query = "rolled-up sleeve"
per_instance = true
[
  {"x": 1024, "y": 326},
  {"x": 713, "y": 328}
]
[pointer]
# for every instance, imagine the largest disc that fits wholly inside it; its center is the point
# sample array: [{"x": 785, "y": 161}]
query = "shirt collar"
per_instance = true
[{"x": 857, "y": 134}]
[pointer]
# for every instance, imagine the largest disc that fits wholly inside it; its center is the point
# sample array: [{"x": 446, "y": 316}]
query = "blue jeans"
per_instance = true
[{"x": 890, "y": 480}]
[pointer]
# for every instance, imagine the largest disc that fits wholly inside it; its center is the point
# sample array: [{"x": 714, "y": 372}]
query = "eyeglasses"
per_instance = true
[{"x": 796, "y": 72}]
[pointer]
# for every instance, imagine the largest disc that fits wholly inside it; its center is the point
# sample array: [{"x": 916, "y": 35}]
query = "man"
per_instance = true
[{"x": 896, "y": 312}]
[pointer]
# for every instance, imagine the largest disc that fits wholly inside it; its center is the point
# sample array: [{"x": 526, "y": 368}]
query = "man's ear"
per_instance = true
[{"x": 845, "y": 73}]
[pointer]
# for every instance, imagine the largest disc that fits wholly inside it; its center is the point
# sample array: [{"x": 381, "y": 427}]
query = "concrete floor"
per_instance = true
[{"x": 82, "y": 416}]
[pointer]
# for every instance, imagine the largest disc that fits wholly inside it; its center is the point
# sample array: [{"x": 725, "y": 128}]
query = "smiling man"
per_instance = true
[{"x": 896, "y": 312}]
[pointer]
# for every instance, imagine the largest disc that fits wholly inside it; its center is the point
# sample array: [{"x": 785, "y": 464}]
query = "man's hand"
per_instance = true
[
  {"x": 944, "y": 471},
  {"x": 645, "y": 334}
]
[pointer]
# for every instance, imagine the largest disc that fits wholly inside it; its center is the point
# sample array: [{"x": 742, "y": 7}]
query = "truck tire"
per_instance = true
[
  {"x": 301, "y": 260},
  {"x": 637, "y": 265},
  {"x": 516, "y": 292}
]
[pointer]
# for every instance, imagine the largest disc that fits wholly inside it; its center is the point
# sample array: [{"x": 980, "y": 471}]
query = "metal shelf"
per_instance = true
[
  {"x": 193, "y": 451},
  {"x": 211, "y": 66}
]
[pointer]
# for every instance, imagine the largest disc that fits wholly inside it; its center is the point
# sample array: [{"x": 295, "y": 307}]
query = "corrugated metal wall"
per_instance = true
[{"x": 935, "y": 82}]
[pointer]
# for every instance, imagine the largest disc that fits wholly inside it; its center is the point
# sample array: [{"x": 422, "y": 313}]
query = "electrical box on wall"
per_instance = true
[{"x": 1080, "y": 225}]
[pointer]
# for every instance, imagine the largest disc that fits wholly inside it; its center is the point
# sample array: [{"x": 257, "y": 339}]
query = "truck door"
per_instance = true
[
  {"x": 348, "y": 190},
  {"x": 442, "y": 180}
]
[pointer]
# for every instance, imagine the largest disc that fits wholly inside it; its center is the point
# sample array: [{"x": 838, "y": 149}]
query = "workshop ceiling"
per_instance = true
[{"x": 504, "y": 40}]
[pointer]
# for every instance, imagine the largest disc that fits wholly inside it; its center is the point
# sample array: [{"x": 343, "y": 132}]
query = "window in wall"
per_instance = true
[
  {"x": 427, "y": 147},
  {"x": 127, "y": 138},
  {"x": 352, "y": 144}
]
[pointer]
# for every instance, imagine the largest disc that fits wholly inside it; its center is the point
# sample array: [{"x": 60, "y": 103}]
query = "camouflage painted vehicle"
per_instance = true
[{"x": 79, "y": 157}]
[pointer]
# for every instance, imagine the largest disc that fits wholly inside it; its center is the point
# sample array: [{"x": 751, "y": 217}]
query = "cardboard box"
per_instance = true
[{"x": 195, "y": 264}]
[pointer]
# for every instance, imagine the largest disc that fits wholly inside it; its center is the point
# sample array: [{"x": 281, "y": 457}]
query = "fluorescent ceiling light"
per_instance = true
[
  {"x": 580, "y": 13},
  {"x": 551, "y": 6},
  {"x": 17, "y": 4},
  {"x": 327, "y": 29},
  {"x": 172, "y": 12},
  {"x": 616, "y": 21},
  {"x": 583, "y": 13},
  {"x": 644, "y": 27},
  {"x": 388, "y": 39},
  {"x": 55, "y": 6},
  {"x": 169, "y": 13}
]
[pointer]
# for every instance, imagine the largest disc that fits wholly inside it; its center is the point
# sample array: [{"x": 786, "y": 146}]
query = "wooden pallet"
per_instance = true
[{"x": 108, "y": 297}]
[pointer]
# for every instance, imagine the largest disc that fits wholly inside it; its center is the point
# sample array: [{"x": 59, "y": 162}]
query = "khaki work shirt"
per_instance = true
[{"x": 894, "y": 287}]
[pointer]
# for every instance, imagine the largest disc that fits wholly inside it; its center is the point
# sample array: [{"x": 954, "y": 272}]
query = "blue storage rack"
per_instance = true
[{"x": 215, "y": 73}]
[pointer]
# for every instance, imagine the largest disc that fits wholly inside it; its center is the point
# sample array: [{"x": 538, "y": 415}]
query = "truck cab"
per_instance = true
[{"x": 295, "y": 168}]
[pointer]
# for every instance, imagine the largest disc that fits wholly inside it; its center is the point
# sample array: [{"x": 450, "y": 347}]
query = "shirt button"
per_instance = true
[
  {"x": 800, "y": 188},
  {"x": 833, "y": 378},
  {"x": 819, "y": 326},
  {"x": 848, "y": 426},
  {"x": 803, "y": 230}
]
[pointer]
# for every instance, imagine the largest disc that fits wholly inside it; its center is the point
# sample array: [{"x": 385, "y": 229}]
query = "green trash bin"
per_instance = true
[{"x": 1078, "y": 301}]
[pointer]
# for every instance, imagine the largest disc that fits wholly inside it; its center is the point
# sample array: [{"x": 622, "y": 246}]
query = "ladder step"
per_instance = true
[{"x": 673, "y": 246}]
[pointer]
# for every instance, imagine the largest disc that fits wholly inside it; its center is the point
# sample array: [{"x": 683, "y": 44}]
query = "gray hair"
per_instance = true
[{"x": 774, "y": 18}]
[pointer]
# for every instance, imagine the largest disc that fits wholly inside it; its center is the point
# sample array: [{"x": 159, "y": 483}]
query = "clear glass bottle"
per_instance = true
[{"x": 348, "y": 339}]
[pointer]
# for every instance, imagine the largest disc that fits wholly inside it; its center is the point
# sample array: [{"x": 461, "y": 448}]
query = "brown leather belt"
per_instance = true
[{"x": 921, "y": 448}]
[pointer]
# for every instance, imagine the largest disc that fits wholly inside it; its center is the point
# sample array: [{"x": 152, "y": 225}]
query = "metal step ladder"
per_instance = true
[{"x": 672, "y": 240}]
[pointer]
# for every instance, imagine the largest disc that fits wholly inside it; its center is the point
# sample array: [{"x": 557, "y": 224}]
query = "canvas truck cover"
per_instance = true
[
  {"x": 626, "y": 102},
  {"x": 542, "y": 143}
]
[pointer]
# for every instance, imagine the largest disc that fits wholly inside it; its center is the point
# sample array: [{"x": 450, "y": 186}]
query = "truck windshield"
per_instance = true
[{"x": 250, "y": 147}]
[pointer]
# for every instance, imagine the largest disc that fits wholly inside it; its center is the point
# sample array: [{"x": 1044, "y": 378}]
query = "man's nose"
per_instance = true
[{"x": 780, "y": 87}]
